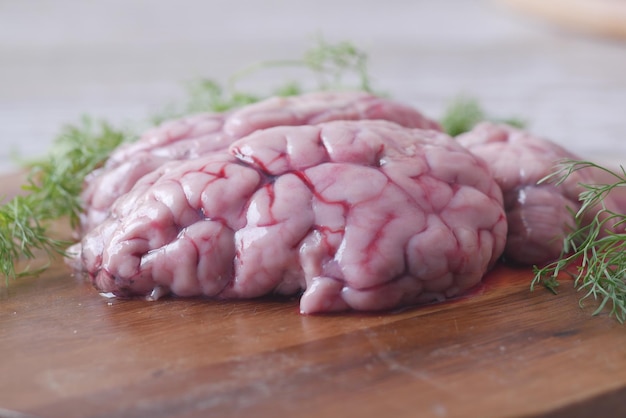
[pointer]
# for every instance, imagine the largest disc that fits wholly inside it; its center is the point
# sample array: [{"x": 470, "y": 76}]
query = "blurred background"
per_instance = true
[{"x": 123, "y": 60}]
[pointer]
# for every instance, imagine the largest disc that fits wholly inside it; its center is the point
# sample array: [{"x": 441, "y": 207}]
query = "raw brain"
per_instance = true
[
  {"x": 363, "y": 215},
  {"x": 200, "y": 134},
  {"x": 540, "y": 215}
]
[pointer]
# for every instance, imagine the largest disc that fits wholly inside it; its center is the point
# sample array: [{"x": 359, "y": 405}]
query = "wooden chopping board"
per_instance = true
[{"x": 67, "y": 352}]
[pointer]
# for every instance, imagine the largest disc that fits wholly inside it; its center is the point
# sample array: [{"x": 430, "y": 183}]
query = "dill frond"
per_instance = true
[
  {"x": 332, "y": 65},
  {"x": 53, "y": 188},
  {"x": 463, "y": 113},
  {"x": 594, "y": 254}
]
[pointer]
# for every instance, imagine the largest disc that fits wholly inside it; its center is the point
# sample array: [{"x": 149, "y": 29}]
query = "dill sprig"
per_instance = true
[
  {"x": 56, "y": 182},
  {"x": 332, "y": 65},
  {"x": 594, "y": 255},
  {"x": 53, "y": 188},
  {"x": 463, "y": 113},
  {"x": 22, "y": 234},
  {"x": 329, "y": 63}
]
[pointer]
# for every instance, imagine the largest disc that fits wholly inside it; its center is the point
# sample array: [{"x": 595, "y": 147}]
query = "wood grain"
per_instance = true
[{"x": 503, "y": 351}]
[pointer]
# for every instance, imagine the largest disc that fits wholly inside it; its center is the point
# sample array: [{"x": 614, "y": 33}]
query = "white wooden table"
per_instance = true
[{"x": 124, "y": 59}]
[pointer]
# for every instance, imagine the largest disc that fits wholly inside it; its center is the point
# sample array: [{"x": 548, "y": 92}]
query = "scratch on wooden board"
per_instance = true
[{"x": 384, "y": 354}]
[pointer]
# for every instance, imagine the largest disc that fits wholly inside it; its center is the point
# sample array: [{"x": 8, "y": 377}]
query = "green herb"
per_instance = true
[
  {"x": 463, "y": 113},
  {"x": 329, "y": 63},
  {"x": 206, "y": 95},
  {"x": 593, "y": 255},
  {"x": 332, "y": 66},
  {"x": 22, "y": 234},
  {"x": 53, "y": 187},
  {"x": 57, "y": 181}
]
